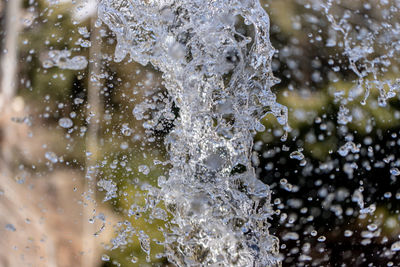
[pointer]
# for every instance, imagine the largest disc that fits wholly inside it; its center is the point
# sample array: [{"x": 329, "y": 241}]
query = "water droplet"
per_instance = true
[
  {"x": 348, "y": 233},
  {"x": 372, "y": 227},
  {"x": 371, "y": 209},
  {"x": 387, "y": 195},
  {"x": 144, "y": 169},
  {"x": 51, "y": 156},
  {"x": 144, "y": 241},
  {"x": 134, "y": 259},
  {"x": 297, "y": 155},
  {"x": 78, "y": 101},
  {"x": 10, "y": 227},
  {"x": 105, "y": 257},
  {"x": 125, "y": 130},
  {"x": 65, "y": 123},
  {"x": 395, "y": 246},
  {"x": 61, "y": 59},
  {"x": 291, "y": 236},
  {"x": 314, "y": 233},
  {"x": 395, "y": 171}
]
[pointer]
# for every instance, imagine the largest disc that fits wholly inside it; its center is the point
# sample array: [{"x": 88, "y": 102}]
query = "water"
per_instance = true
[
  {"x": 63, "y": 60},
  {"x": 216, "y": 62},
  {"x": 11, "y": 227},
  {"x": 244, "y": 139},
  {"x": 65, "y": 123},
  {"x": 215, "y": 57}
]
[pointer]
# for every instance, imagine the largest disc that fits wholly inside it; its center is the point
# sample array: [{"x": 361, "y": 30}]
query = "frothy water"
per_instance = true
[{"x": 215, "y": 57}]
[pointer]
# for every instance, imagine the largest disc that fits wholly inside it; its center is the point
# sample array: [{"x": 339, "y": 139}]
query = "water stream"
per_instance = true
[
  {"x": 215, "y": 57},
  {"x": 202, "y": 132}
]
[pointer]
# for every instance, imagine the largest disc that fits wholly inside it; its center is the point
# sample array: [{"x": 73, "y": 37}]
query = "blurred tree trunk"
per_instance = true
[
  {"x": 9, "y": 59},
  {"x": 9, "y": 65},
  {"x": 94, "y": 115}
]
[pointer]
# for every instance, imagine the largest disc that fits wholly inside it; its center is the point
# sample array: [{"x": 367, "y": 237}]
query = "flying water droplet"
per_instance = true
[
  {"x": 105, "y": 257},
  {"x": 372, "y": 227},
  {"x": 297, "y": 155},
  {"x": 51, "y": 156},
  {"x": 348, "y": 233},
  {"x": 62, "y": 60},
  {"x": 65, "y": 123},
  {"x": 395, "y": 171},
  {"x": 144, "y": 169},
  {"x": 395, "y": 246},
  {"x": 10, "y": 227}
]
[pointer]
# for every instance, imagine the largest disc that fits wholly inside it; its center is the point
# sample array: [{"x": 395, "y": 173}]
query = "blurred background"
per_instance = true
[{"x": 74, "y": 160}]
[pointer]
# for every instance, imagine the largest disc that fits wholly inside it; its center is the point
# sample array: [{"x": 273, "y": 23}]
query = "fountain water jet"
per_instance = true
[{"x": 215, "y": 57}]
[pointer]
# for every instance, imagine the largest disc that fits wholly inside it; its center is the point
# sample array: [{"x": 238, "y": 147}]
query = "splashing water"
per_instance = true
[
  {"x": 215, "y": 58},
  {"x": 62, "y": 60},
  {"x": 335, "y": 179}
]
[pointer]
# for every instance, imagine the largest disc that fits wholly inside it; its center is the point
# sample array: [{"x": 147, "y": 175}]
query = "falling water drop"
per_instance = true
[
  {"x": 10, "y": 227},
  {"x": 65, "y": 123},
  {"x": 395, "y": 246}
]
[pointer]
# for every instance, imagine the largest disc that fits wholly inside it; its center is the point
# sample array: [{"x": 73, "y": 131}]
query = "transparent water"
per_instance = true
[
  {"x": 201, "y": 133},
  {"x": 218, "y": 74}
]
